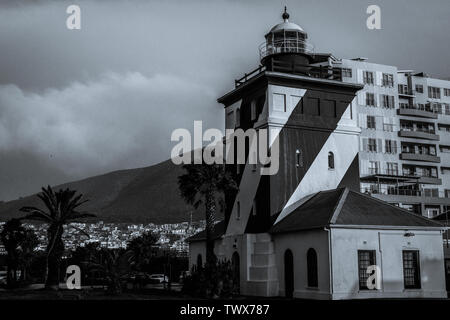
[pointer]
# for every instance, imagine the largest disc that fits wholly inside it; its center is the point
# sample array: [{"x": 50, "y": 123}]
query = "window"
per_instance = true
[
  {"x": 372, "y": 145},
  {"x": 446, "y": 92},
  {"x": 434, "y": 92},
  {"x": 330, "y": 160},
  {"x": 311, "y": 261},
  {"x": 199, "y": 261},
  {"x": 347, "y": 72},
  {"x": 403, "y": 89},
  {"x": 370, "y": 99},
  {"x": 388, "y": 101},
  {"x": 444, "y": 149},
  {"x": 298, "y": 158},
  {"x": 390, "y": 146},
  {"x": 374, "y": 167},
  {"x": 419, "y": 88},
  {"x": 388, "y": 125},
  {"x": 366, "y": 258},
  {"x": 371, "y": 122},
  {"x": 444, "y": 127},
  {"x": 411, "y": 272},
  {"x": 368, "y": 77},
  {"x": 388, "y": 80},
  {"x": 253, "y": 110},
  {"x": 238, "y": 211},
  {"x": 392, "y": 168},
  {"x": 446, "y": 109}
]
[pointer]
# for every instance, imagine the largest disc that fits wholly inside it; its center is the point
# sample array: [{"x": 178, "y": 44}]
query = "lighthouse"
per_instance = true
[{"x": 305, "y": 231}]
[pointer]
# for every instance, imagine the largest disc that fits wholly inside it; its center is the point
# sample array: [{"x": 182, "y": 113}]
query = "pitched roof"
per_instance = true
[
  {"x": 346, "y": 207},
  {"x": 219, "y": 230}
]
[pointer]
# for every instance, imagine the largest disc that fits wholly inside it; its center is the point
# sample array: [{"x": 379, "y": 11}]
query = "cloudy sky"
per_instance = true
[{"x": 76, "y": 103}]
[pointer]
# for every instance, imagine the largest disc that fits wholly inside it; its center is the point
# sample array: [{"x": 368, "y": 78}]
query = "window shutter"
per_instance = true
[
  {"x": 362, "y": 121},
  {"x": 361, "y": 98},
  {"x": 394, "y": 146},
  {"x": 365, "y": 142},
  {"x": 360, "y": 76},
  {"x": 378, "y": 78}
]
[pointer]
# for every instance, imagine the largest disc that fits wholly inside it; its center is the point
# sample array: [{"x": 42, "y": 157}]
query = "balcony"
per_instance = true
[
  {"x": 418, "y": 134},
  {"x": 416, "y": 111},
  {"x": 430, "y": 180},
  {"x": 395, "y": 195},
  {"x": 407, "y": 93},
  {"x": 419, "y": 157}
]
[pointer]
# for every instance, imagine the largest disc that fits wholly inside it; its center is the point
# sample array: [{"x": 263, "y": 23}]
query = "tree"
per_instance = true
[
  {"x": 12, "y": 236},
  {"x": 28, "y": 245},
  {"x": 203, "y": 184},
  {"x": 61, "y": 209},
  {"x": 141, "y": 249},
  {"x": 110, "y": 266}
]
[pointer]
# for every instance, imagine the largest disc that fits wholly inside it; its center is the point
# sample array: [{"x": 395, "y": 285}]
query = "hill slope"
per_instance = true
[{"x": 140, "y": 195}]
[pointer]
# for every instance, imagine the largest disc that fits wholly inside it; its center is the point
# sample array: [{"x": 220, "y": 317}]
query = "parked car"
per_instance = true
[{"x": 158, "y": 278}]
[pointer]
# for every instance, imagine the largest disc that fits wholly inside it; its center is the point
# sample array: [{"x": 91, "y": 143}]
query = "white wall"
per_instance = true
[
  {"x": 299, "y": 243},
  {"x": 388, "y": 245}
]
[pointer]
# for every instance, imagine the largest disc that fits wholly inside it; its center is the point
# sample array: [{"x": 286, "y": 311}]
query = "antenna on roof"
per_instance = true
[{"x": 285, "y": 15}]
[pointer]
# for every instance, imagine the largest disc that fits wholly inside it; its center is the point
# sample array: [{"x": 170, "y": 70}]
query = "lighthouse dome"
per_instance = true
[{"x": 287, "y": 26}]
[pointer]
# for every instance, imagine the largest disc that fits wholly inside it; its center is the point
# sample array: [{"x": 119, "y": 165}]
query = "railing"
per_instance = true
[
  {"x": 409, "y": 129},
  {"x": 390, "y": 191},
  {"x": 286, "y": 45},
  {"x": 322, "y": 72},
  {"x": 421, "y": 107},
  {"x": 248, "y": 76},
  {"x": 395, "y": 191}
]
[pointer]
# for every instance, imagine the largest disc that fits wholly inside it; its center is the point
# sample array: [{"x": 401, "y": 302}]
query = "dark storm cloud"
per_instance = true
[{"x": 78, "y": 103}]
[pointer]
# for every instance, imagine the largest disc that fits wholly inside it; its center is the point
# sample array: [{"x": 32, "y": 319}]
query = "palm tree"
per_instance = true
[
  {"x": 12, "y": 235},
  {"x": 111, "y": 267},
  {"x": 61, "y": 209},
  {"x": 202, "y": 184},
  {"x": 28, "y": 245},
  {"x": 141, "y": 249}
]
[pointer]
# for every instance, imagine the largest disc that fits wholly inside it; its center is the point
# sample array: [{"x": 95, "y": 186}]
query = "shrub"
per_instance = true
[{"x": 213, "y": 281}]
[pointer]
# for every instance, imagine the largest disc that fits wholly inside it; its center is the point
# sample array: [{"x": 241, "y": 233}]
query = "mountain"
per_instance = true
[{"x": 141, "y": 195}]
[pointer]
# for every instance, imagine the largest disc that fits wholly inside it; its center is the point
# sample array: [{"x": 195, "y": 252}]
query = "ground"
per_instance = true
[{"x": 37, "y": 292}]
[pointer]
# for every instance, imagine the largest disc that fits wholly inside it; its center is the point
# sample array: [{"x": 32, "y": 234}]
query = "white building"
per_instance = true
[{"x": 284, "y": 234}]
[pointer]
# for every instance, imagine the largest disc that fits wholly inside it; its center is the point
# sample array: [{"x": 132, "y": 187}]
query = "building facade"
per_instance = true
[
  {"x": 404, "y": 118},
  {"x": 306, "y": 230}
]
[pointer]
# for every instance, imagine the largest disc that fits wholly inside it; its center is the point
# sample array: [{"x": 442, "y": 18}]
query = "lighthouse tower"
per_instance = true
[{"x": 308, "y": 111}]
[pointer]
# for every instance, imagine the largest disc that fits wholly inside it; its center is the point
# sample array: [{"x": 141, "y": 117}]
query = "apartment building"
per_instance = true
[{"x": 404, "y": 118}]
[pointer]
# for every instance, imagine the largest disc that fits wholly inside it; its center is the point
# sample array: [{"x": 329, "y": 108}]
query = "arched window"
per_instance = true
[
  {"x": 236, "y": 270},
  {"x": 311, "y": 261},
  {"x": 330, "y": 160},
  {"x": 199, "y": 261},
  {"x": 238, "y": 117},
  {"x": 298, "y": 158}
]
